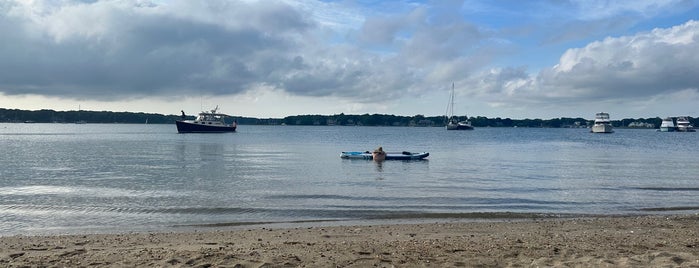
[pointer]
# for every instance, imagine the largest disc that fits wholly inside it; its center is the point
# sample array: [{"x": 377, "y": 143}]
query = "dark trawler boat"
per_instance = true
[{"x": 206, "y": 122}]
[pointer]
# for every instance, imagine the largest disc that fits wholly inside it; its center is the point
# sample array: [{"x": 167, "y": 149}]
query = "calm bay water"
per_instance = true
[{"x": 67, "y": 178}]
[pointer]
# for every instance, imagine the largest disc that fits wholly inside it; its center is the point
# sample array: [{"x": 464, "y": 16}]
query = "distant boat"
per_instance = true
[
  {"x": 667, "y": 125},
  {"x": 79, "y": 112},
  {"x": 389, "y": 155},
  {"x": 683, "y": 125},
  {"x": 206, "y": 122},
  {"x": 452, "y": 121},
  {"x": 602, "y": 124}
]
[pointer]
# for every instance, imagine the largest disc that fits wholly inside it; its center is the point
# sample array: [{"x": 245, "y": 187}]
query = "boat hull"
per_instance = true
[
  {"x": 602, "y": 128},
  {"x": 389, "y": 156},
  {"x": 187, "y": 127},
  {"x": 667, "y": 129},
  {"x": 459, "y": 127}
]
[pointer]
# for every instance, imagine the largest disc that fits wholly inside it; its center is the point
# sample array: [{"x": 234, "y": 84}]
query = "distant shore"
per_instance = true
[
  {"x": 108, "y": 117},
  {"x": 648, "y": 241}
]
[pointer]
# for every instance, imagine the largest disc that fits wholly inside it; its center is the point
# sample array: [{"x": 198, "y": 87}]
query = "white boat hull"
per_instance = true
[
  {"x": 602, "y": 128},
  {"x": 459, "y": 126}
]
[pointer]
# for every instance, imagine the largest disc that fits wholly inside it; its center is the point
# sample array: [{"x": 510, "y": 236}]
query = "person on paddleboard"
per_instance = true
[{"x": 379, "y": 154}]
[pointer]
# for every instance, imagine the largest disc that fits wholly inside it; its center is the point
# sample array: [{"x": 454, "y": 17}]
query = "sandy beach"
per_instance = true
[{"x": 647, "y": 241}]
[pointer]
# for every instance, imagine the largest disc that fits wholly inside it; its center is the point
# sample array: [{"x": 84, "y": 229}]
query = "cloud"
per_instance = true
[
  {"x": 123, "y": 50},
  {"x": 111, "y": 49},
  {"x": 629, "y": 68}
]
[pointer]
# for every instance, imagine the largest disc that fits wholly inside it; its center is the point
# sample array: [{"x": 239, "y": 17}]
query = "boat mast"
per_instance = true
[{"x": 450, "y": 105}]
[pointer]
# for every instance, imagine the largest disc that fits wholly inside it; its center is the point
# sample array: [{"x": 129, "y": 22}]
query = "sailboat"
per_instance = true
[
  {"x": 452, "y": 121},
  {"x": 80, "y": 121}
]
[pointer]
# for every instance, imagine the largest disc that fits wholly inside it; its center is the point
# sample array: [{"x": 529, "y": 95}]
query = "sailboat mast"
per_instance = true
[
  {"x": 450, "y": 105},
  {"x": 452, "y": 98}
]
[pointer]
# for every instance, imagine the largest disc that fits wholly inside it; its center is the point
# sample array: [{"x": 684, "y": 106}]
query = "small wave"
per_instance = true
[
  {"x": 47, "y": 209},
  {"x": 53, "y": 168},
  {"x": 466, "y": 215},
  {"x": 202, "y": 210},
  {"x": 386, "y": 215},
  {"x": 429, "y": 199},
  {"x": 313, "y": 196},
  {"x": 247, "y": 223},
  {"x": 35, "y": 190},
  {"x": 659, "y": 209},
  {"x": 668, "y": 189},
  {"x": 102, "y": 192}
]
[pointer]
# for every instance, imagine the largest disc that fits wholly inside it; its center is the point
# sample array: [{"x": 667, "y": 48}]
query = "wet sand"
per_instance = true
[{"x": 647, "y": 241}]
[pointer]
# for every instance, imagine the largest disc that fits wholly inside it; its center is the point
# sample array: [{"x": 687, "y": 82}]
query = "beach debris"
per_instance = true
[
  {"x": 72, "y": 252},
  {"x": 18, "y": 254}
]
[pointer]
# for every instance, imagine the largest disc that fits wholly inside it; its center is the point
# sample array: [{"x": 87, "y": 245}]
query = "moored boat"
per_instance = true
[
  {"x": 668, "y": 125},
  {"x": 206, "y": 122},
  {"x": 602, "y": 124},
  {"x": 389, "y": 155},
  {"x": 683, "y": 125},
  {"x": 453, "y": 123}
]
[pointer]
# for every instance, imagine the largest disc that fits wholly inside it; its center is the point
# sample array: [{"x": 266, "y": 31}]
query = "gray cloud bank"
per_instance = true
[
  {"x": 113, "y": 49},
  {"x": 110, "y": 50}
]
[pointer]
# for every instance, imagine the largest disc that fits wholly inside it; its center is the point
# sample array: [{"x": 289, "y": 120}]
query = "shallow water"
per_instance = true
[{"x": 73, "y": 178}]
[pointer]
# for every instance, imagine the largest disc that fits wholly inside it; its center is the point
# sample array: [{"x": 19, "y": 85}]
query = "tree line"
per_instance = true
[
  {"x": 478, "y": 121},
  {"x": 51, "y": 116}
]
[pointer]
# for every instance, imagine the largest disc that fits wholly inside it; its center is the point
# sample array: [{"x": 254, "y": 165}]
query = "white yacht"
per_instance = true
[
  {"x": 602, "y": 124},
  {"x": 683, "y": 125},
  {"x": 668, "y": 125}
]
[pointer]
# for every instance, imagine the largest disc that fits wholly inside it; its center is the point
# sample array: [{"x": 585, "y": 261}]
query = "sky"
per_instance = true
[{"x": 266, "y": 58}]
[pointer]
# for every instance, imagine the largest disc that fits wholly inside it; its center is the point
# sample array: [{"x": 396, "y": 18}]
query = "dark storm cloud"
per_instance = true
[
  {"x": 136, "y": 51},
  {"x": 111, "y": 50}
]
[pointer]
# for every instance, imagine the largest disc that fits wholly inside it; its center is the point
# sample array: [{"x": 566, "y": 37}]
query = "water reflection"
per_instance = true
[{"x": 378, "y": 166}]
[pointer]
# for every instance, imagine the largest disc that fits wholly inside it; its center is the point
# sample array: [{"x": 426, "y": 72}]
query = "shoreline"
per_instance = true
[
  {"x": 382, "y": 219},
  {"x": 647, "y": 240}
]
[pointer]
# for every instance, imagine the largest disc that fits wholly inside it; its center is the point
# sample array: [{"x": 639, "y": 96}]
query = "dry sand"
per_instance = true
[{"x": 649, "y": 241}]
